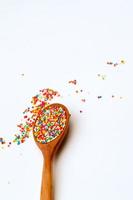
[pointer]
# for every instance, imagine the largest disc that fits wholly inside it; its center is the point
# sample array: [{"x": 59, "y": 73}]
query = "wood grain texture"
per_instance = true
[
  {"x": 47, "y": 187},
  {"x": 48, "y": 150}
]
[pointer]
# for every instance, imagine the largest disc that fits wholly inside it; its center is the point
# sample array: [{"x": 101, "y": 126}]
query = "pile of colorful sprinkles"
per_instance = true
[
  {"x": 49, "y": 124},
  {"x": 52, "y": 122},
  {"x": 30, "y": 114}
]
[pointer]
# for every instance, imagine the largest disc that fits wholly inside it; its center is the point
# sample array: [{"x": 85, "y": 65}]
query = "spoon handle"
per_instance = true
[{"x": 46, "y": 190}]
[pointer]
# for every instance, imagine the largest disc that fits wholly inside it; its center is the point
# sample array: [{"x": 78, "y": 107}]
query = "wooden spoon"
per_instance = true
[{"x": 48, "y": 150}]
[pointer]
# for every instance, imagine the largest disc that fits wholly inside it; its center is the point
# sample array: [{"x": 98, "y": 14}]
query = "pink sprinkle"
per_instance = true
[
  {"x": 73, "y": 82},
  {"x": 83, "y": 100}
]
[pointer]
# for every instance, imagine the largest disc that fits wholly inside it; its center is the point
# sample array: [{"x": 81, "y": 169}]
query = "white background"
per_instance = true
[{"x": 52, "y": 42}]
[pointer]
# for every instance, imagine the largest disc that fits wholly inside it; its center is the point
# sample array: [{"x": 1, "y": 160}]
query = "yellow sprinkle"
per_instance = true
[{"x": 123, "y": 62}]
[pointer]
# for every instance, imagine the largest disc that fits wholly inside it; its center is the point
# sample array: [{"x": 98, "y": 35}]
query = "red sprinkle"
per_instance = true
[{"x": 73, "y": 82}]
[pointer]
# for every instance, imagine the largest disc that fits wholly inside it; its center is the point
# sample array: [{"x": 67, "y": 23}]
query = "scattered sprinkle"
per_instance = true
[
  {"x": 99, "y": 97},
  {"x": 73, "y": 82},
  {"x": 2, "y": 141},
  {"x": 83, "y": 100},
  {"x": 115, "y": 64},
  {"x": 109, "y": 63},
  {"x": 9, "y": 144},
  {"x": 102, "y": 76},
  {"x": 77, "y": 91},
  {"x": 117, "y": 97},
  {"x": 123, "y": 62}
]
